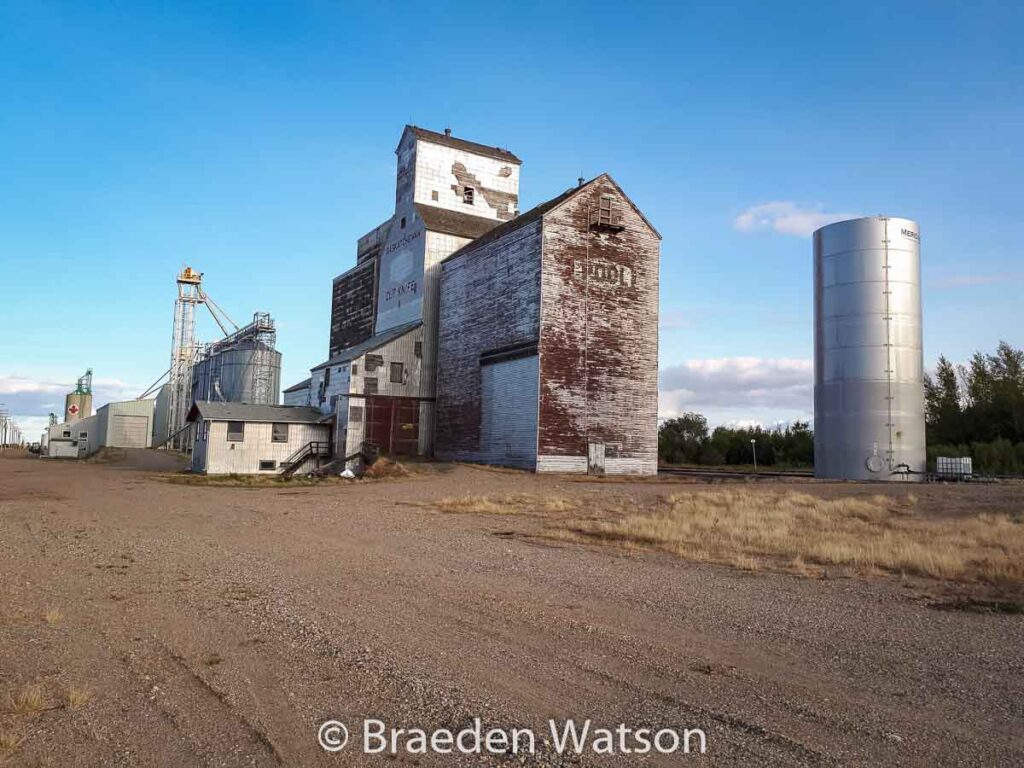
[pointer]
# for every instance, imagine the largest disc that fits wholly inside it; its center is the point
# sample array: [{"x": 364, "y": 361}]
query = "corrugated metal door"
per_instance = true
[
  {"x": 508, "y": 412},
  {"x": 128, "y": 431},
  {"x": 393, "y": 424}
]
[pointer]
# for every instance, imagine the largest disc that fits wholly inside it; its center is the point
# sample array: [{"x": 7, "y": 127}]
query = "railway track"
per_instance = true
[{"x": 737, "y": 474}]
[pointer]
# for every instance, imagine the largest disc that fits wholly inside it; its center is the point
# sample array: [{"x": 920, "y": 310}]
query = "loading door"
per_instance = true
[
  {"x": 128, "y": 431},
  {"x": 393, "y": 424}
]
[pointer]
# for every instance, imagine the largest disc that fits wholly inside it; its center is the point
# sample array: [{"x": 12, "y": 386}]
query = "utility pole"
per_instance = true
[{"x": 753, "y": 449}]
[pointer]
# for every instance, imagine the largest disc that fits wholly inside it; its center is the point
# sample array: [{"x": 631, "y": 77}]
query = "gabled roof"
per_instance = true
[
  {"x": 453, "y": 222},
  {"x": 304, "y": 384},
  {"x": 539, "y": 211},
  {"x": 360, "y": 349},
  {"x": 469, "y": 146},
  {"x": 519, "y": 221},
  {"x": 292, "y": 414}
]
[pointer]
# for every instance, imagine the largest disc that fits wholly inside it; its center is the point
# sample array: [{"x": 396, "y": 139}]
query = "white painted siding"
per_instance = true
[
  {"x": 570, "y": 464},
  {"x": 325, "y": 397},
  {"x": 508, "y": 413},
  {"x": 400, "y": 289},
  {"x": 434, "y": 164},
  {"x": 612, "y": 466},
  {"x": 243, "y": 458},
  {"x": 439, "y": 248}
]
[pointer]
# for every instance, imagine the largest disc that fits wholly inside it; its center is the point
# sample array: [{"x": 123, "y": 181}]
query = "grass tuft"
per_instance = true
[
  {"x": 78, "y": 696},
  {"x": 29, "y": 700},
  {"x": 52, "y": 615},
  {"x": 9, "y": 740},
  {"x": 802, "y": 533}
]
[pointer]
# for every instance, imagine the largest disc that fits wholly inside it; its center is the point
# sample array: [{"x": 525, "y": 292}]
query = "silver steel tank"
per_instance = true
[
  {"x": 868, "y": 357},
  {"x": 249, "y": 372}
]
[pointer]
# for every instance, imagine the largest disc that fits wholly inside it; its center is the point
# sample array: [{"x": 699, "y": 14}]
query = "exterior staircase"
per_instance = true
[{"x": 312, "y": 449}]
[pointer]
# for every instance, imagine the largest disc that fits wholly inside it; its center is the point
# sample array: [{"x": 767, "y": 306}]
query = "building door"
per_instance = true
[
  {"x": 128, "y": 431},
  {"x": 508, "y": 412},
  {"x": 393, "y": 424},
  {"x": 595, "y": 459}
]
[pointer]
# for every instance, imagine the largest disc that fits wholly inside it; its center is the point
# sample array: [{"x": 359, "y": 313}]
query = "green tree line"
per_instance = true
[
  {"x": 977, "y": 410},
  {"x": 687, "y": 440}
]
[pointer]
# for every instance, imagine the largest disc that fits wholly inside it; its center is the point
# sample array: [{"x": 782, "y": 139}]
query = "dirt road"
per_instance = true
[{"x": 221, "y": 626}]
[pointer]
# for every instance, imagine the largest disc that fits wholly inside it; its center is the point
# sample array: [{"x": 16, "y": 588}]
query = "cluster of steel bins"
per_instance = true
[
  {"x": 868, "y": 357},
  {"x": 246, "y": 372}
]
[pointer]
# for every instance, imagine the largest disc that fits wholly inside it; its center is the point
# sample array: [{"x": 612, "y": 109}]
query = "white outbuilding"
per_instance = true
[{"x": 246, "y": 439}]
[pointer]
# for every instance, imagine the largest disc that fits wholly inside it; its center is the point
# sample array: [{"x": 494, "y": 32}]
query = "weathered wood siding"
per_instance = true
[
  {"x": 352, "y": 306},
  {"x": 407, "y": 349},
  {"x": 599, "y": 337},
  {"x": 490, "y": 298}
]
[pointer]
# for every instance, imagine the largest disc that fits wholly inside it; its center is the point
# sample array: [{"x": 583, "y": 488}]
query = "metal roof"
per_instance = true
[
  {"x": 360, "y": 349},
  {"x": 454, "y": 222},
  {"x": 469, "y": 146},
  {"x": 304, "y": 384},
  {"x": 295, "y": 414}
]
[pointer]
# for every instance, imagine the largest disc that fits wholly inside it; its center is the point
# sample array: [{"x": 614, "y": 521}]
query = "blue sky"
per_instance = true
[{"x": 254, "y": 141}]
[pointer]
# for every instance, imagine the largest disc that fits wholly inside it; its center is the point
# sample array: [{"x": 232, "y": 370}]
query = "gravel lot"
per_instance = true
[{"x": 221, "y": 626}]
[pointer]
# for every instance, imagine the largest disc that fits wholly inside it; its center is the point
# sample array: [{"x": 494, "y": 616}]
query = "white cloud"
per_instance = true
[
  {"x": 786, "y": 218},
  {"x": 37, "y": 397},
  {"x": 13, "y": 385},
  {"x": 739, "y": 389}
]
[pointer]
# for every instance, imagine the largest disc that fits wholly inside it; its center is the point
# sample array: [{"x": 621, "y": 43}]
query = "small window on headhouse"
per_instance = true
[
  {"x": 402, "y": 226},
  {"x": 279, "y": 433},
  {"x": 236, "y": 431},
  {"x": 397, "y": 373},
  {"x": 370, "y": 386},
  {"x": 355, "y": 368},
  {"x": 417, "y": 349},
  {"x": 467, "y": 195},
  {"x": 268, "y": 465},
  {"x": 607, "y": 214}
]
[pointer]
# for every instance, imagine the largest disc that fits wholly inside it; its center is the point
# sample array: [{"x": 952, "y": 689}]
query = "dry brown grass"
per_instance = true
[
  {"x": 78, "y": 696},
  {"x": 385, "y": 467},
  {"x": 510, "y": 504},
  {"x": 9, "y": 741},
  {"x": 804, "y": 533},
  {"x": 29, "y": 700},
  {"x": 52, "y": 615}
]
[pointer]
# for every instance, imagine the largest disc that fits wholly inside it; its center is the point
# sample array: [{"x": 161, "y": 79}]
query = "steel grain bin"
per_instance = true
[{"x": 868, "y": 361}]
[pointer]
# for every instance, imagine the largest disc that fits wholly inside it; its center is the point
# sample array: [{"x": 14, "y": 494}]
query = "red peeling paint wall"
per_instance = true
[{"x": 599, "y": 336}]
